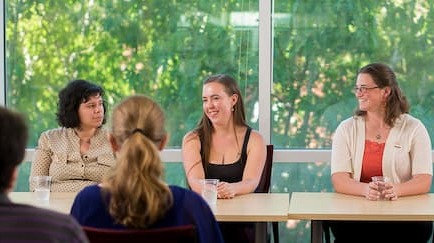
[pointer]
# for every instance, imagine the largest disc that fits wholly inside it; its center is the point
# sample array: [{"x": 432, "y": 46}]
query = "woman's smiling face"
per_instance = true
[
  {"x": 367, "y": 92},
  {"x": 217, "y": 104}
]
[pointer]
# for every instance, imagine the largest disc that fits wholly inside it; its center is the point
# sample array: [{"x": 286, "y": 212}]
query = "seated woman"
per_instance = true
[
  {"x": 381, "y": 139},
  {"x": 224, "y": 147},
  {"x": 134, "y": 195},
  {"x": 78, "y": 153}
]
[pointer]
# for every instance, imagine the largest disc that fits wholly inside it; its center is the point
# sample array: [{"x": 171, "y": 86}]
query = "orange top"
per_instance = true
[{"x": 372, "y": 160}]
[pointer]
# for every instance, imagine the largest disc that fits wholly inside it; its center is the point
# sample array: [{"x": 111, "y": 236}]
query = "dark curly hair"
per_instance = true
[{"x": 76, "y": 92}]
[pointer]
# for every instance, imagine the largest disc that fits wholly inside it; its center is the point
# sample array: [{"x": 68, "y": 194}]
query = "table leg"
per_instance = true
[
  {"x": 260, "y": 232},
  {"x": 316, "y": 231}
]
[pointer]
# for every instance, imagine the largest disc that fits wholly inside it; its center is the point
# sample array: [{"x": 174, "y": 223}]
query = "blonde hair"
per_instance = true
[{"x": 139, "y": 196}]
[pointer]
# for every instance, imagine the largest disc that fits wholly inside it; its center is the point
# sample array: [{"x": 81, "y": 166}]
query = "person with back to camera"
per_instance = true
[
  {"x": 134, "y": 194},
  {"x": 224, "y": 147},
  {"x": 381, "y": 139},
  {"x": 19, "y": 222},
  {"x": 78, "y": 153}
]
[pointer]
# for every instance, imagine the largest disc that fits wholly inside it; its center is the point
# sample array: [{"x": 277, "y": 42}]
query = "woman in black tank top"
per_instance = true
[{"x": 224, "y": 147}]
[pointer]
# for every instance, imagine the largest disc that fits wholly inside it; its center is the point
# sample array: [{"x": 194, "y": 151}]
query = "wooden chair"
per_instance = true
[
  {"x": 265, "y": 183},
  {"x": 175, "y": 234}
]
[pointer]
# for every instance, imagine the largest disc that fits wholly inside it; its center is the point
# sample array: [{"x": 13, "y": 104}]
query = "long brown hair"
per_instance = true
[
  {"x": 205, "y": 127},
  {"x": 139, "y": 196},
  {"x": 396, "y": 103}
]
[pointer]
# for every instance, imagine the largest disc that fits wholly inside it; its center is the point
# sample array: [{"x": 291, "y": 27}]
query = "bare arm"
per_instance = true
[
  {"x": 192, "y": 161},
  {"x": 344, "y": 183},
  {"x": 419, "y": 184}
]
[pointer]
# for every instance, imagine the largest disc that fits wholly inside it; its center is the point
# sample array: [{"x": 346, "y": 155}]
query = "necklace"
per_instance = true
[{"x": 378, "y": 136}]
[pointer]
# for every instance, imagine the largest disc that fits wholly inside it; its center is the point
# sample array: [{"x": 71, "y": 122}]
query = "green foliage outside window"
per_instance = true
[{"x": 320, "y": 45}]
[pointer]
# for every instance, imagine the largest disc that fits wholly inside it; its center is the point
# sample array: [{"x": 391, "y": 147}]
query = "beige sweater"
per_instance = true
[
  {"x": 58, "y": 155},
  {"x": 407, "y": 150}
]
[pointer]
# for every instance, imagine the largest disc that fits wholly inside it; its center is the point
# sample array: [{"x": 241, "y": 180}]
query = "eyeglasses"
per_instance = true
[{"x": 363, "y": 89}]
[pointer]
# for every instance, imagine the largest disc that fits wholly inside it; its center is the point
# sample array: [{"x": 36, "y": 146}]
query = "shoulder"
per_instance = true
[
  {"x": 256, "y": 139},
  {"x": 53, "y": 226},
  {"x": 352, "y": 121},
  {"x": 87, "y": 200},
  {"x": 57, "y": 133},
  {"x": 256, "y": 135},
  {"x": 102, "y": 131},
  {"x": 89, "y": 193},
  {"x": 408, "y": 120},
  {"x": 90, "y": 189},
  {"x": 177, "y": 190},
  {"x": 191, "y": 136},
  {"x": 64, "y": 224},
  {"x": 349, "y": 128},
  {"x": 102, "y": 135},
  {"x": 410, "y": 124}
]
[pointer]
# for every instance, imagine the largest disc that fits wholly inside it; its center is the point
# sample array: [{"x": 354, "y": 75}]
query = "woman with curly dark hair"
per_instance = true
[{"x": 78, "y": 153}]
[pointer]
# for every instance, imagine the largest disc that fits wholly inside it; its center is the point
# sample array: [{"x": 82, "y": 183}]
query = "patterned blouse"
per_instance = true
[{"x": 58, "y": 155}]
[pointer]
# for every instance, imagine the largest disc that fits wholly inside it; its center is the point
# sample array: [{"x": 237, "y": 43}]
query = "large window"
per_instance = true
[
  {"x": 320, "y": 45},
  {"x": 154, "y": 48},
  {"x": 295, "y": 61}
]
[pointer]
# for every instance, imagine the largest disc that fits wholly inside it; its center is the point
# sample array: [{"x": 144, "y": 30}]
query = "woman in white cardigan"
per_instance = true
[{"x": 381, "y": 139}]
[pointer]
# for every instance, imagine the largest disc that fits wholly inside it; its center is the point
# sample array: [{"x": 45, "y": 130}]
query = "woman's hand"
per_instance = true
[
  {"x": 225, "y": 190},
  {"x": 389, "y": 192},
  {"x": 373, "y": 193},
  {"x": 377, "y": 191}
]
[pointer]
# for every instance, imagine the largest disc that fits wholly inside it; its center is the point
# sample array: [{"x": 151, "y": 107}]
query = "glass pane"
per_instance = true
[
  {"x": 150, "y": 47},
  {"x": 320, "y": 45}
]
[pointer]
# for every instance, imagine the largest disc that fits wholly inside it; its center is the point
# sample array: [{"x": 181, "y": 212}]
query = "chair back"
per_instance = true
[
  {"x": 264, "y": 183},
  {"x": 175, "y": 234},
  {"x": 264, "y": 187}
]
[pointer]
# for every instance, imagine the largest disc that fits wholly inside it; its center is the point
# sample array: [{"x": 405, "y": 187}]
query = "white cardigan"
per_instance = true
[{"x": 407, "y": 151}]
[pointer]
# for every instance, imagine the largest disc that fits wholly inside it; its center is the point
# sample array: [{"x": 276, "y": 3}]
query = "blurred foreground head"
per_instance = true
[{"x": 13, "y": 140}]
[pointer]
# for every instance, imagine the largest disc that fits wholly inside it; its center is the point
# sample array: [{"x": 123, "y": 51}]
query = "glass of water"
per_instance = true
[
  {"x": 209, "y": 190},
  {"x": 42, "y": 185}
]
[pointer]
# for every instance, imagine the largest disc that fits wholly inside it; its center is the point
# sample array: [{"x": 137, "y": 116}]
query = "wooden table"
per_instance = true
[
  {"x": 59, "y": 201},
  {"x": 253, "y": 207},
  {"x": 319, "y": 206}
]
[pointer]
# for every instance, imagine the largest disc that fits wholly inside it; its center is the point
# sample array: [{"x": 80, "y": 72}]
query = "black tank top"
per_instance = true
[{"x": 229, "y": 172}]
